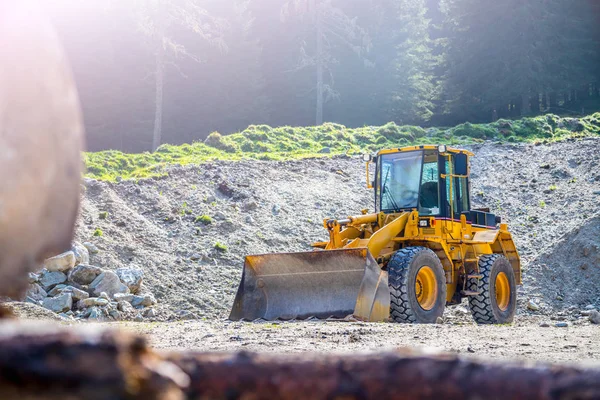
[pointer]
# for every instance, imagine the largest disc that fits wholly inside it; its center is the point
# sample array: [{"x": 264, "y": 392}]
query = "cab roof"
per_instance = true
[{"x": 424, "y": 147}]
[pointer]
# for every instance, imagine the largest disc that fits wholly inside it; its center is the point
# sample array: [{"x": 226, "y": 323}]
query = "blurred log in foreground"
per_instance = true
[
  {"x": 401, "y": 375},
  {"x": 45, "y": 361},
  {"x": 42, "y": 361}
]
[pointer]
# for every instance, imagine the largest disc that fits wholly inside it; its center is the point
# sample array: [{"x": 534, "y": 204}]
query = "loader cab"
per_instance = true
[{"x": 431, "y": 179}]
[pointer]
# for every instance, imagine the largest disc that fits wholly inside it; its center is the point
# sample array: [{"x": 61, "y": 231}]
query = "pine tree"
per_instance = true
[
  {"x": 158, "y": 20},
  {"x": 331, "y": 28}
]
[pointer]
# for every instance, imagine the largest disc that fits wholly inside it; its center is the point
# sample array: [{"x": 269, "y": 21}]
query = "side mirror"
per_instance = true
[
  {"x": 367, "y": 157},
  {"x": 461, "y": 164}
]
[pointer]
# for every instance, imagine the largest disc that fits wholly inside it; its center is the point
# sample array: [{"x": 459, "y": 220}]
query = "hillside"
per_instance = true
[
  {"x": 190, "y": 229},
  {"x": 284, "y": 143}
]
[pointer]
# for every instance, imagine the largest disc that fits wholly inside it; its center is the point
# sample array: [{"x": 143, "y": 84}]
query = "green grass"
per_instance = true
[{"x": 263, "y": 142}]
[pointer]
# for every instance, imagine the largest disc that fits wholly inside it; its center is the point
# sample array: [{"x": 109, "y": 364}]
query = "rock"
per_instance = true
[
  {"x": 249, "y": 220},
  {"x": 225, "y": 189},
  {"x": 132, "y": 277},
  {"x": 125, "y": 307},
  {"x": 91, "y": 247},
  {"x": 76, "y": 293},
  {"x": 108, "y": 282},
  {"x": 590, "y": 307},
  {"x": 211, "y": 199},
  {"x": 186, "y": 315},
  {"x": 532, "y": 305},
  {"x": 114, "y": 314},
  {"x": 150, "y": 313},
  {"x": 145, "y": 300},
  {"x": 91, "y": 302},
  {"x": 36, "y": 293},
  {"x": 221, "y": 216},
  {"x": 325, "y": 150},
  {"x": 32, "y": 277},
  {"x": 276, "y": 209},
  {"x": 228, "y": 226},
  {"x": 58, "y": 304},
  {"x": 84, "y": 274},
  {"x": 104, "y": 296},
  {"x": 561, "y": 324},
  {"x": 82, "y": 255},
  {"x": 50, "y": 279},
  {"x": 102, "y": 302},
  {"x": 64, "y": 316},
  {"x": 95, "y": 313},
  {"x": 439, "y": 320},
  {"x": 138, "y": 318},
  {"x": 56, "y": 290},
  {"x": 123, "y": 297},
  {"x": 461, "y": 310},
  {"x": 594, "y": 317},
  {"x": 62, "y": 262},
  {"x": 195, "y": 257},
  {"x": 250, "y": 206},
  {"x": 545, "y": 325}
]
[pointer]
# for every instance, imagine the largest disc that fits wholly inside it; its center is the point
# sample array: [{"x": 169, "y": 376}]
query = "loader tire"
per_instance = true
[
  {"x": 496, "y": 304},
  {"x": 417, "y": 286}
]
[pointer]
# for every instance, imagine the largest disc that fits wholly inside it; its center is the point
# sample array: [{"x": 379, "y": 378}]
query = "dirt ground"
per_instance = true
[{"x": 525, "y": 340}]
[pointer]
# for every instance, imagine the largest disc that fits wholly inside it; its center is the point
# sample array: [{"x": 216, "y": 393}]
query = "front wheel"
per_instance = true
[
  {"x": 497, "y": 299},
  {"x": 417, "y": 285}
]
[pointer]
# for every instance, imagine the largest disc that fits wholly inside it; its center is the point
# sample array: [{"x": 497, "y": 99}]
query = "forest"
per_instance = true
[{"x": 173, "y": 71}]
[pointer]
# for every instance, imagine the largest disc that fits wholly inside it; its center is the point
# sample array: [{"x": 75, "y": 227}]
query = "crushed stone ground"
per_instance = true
[
  {"x": 548, "y": 194},
  {"x": 524, "y": 340}
]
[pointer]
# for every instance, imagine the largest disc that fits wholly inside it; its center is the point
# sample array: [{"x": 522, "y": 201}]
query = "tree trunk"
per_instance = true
[
  {"x": 401, "y": 375},
  {"x": 319, "y": 11},
  {"x": 525, "y": 106},
  {"x": 158, "y": 104},
  {"x": 52, "y": 362},
  {"x": 159, "y": 75}
]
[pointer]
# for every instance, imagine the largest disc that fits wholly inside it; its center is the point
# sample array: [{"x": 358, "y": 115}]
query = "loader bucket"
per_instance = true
[{"x": 322, "y": 284}]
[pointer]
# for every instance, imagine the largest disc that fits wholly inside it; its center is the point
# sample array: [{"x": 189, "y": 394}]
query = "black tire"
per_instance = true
[
  {"x": 403, "y": 268},
  {"x": 484, "y": 307}
]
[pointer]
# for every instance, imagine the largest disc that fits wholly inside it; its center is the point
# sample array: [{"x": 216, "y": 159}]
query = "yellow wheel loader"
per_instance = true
[{"x": 423, "y": 248}]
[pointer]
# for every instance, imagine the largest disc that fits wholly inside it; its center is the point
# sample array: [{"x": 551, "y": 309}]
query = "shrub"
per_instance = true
[
  {"x": 474, "y": 131},
  {"x": 205, "y": 219},
  {"x": 98, "y": 232},
  {"x": 220, "y": 247},
  {"x": 256, "y": 136},
  {"x": 214, "y": 140}
]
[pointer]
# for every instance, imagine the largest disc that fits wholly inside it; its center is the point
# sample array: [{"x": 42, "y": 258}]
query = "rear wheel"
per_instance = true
[
  {"x": 497, "y": 300},
  {"x": 417, "y": 285}
]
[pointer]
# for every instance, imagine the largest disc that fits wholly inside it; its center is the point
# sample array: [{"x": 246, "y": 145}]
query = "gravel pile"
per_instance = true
[{"x": 189, "y": 231}]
